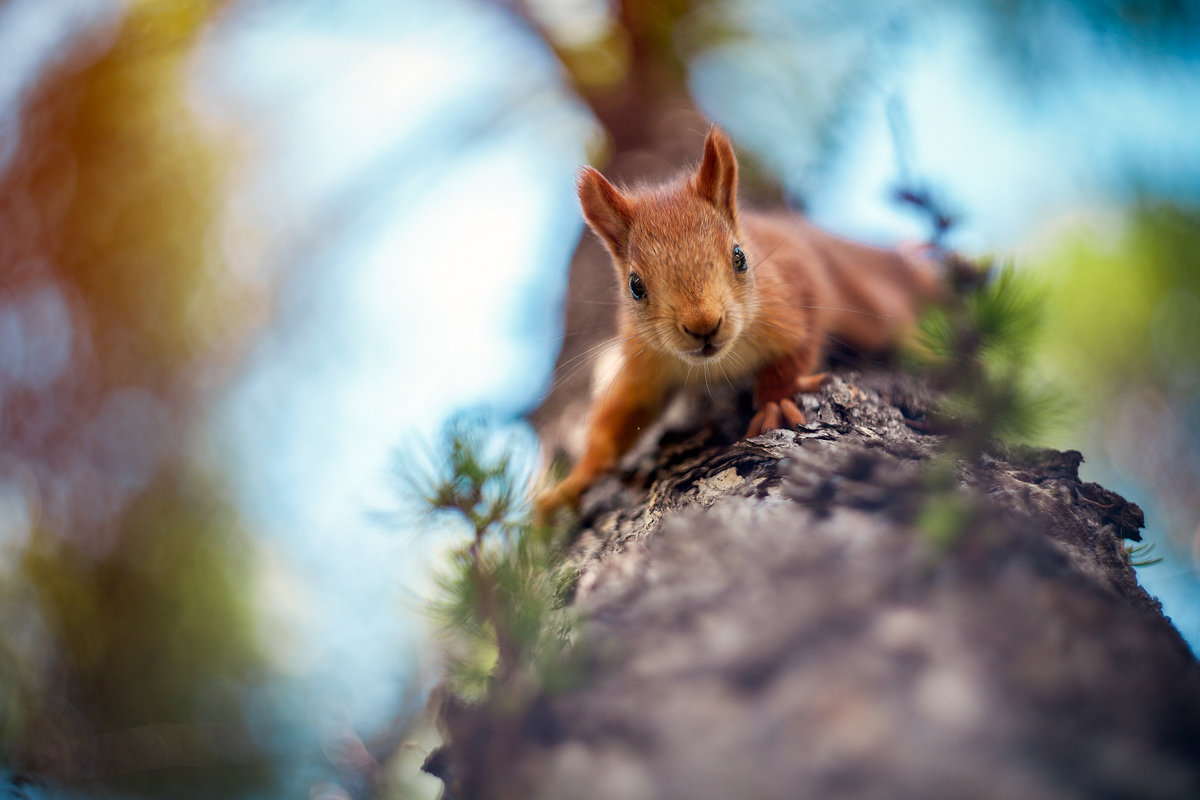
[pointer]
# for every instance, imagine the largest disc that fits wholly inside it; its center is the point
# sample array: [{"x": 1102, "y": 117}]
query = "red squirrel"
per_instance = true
[{"x": 713, "y": 294}]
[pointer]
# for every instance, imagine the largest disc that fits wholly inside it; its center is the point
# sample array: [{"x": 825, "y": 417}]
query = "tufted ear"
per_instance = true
[
  {"x": 608, "y": 212},
  {"x": 716, "y": 179}
]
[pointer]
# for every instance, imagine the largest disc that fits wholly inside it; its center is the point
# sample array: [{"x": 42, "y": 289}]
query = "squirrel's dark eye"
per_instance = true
[
  {"x": 739, "y": 259},
  {"x": 636, "y": 287}
]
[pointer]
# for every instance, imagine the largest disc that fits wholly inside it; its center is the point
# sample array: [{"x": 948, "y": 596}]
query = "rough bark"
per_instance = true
[{"x": 771, "y": 618}]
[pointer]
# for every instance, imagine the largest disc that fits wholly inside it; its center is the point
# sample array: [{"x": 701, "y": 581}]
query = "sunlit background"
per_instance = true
[{"x": 253, "y": 253}]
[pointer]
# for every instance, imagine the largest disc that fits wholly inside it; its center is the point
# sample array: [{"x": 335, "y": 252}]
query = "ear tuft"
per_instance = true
[
  {"x": 608, "y": 212},
  {"x": 716, "y": 179}
]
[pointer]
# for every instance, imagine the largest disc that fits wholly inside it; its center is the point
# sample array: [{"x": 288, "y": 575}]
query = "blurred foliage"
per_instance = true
[
  {"x": 978, "y": 351},
  {"x": 500, "y": 607},
  {"x": 1126, "y": 294},
  {"x": 149, "y": 623},
  {"x": 1124, "y": 342},
  {"x": 125, "y": 616},
  {"x": 1100, "y": 336}
]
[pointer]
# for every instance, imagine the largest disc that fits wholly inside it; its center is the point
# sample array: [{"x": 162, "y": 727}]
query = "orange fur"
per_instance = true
[{"x": 700, "y": 315}]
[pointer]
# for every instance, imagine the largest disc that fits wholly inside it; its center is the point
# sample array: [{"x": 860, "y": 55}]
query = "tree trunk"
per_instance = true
[{"x": 805, "y": 614}]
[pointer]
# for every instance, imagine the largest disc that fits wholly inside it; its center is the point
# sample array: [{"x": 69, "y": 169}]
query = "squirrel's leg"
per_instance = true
[
  {"x": 775, "y": 389},
  {"x": 624, "y": 410}
]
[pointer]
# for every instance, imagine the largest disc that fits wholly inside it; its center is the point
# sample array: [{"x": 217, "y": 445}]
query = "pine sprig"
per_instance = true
[
  {"x": 499, "y": 604},
  {"x": 976, "y": 351},
  {"x": 1142, "y": 555},
  {"x": 1006, "y": 313}
]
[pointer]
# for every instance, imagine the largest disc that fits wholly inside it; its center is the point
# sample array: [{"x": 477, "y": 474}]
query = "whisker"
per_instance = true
[
  {"x": 569, "y": 369},
  {"x": 726, "y": 374},
  {"x": 608, "y": 380},
  {"x": 591, "y": 351},
  {"x": 737, "y": 360},
  {"x": 567, "y": 336},
  {"x": 763, "y": 259}
]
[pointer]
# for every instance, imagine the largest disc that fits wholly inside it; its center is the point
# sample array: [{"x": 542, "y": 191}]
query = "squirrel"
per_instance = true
[{"x": 709, "y": 291}]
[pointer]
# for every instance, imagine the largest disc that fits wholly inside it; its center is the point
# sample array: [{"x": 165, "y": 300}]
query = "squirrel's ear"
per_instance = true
[
  {"x": 716, "y": 180},
  {"x": 606, "y": 210}
]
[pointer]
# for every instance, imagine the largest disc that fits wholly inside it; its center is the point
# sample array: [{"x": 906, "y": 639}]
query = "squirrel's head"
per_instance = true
[{"x": 685, "y": 279}]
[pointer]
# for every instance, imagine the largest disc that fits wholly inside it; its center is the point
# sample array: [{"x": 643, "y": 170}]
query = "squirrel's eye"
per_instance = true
[
  {"x": 636, "y": 287},
  {"x": 739, "y": 259}
]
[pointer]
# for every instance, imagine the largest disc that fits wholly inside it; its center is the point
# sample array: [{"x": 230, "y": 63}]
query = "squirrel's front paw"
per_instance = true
[
  {"x": 772, "y": 416},
  {"x": 774, "y": 395}
]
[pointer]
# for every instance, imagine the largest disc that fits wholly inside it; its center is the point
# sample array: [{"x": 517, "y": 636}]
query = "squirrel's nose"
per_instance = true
[{"x": 702, "y": 329}]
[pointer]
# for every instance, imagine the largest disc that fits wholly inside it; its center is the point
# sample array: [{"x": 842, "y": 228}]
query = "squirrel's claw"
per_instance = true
[
  {"x": 773, "y": 415},
  {"x": 791, "y": 412}
]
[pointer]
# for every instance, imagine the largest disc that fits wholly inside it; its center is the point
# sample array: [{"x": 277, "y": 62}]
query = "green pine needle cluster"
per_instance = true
[
  {"x": 473, "y": 475},
  {"x": 511, "y": 629},
  {"x": 500, "y": 607},
  {"x": 1142, "y": 555},
  {"x": 977, "y": 351}
]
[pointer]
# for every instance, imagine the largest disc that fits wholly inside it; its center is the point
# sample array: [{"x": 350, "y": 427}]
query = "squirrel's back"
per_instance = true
[{"x": 866, "y": 297}]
